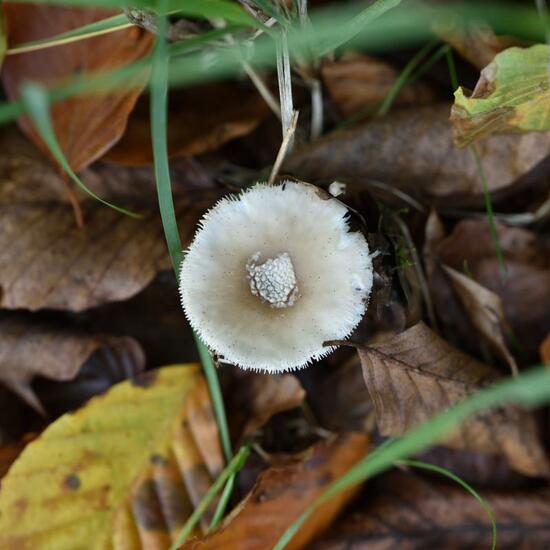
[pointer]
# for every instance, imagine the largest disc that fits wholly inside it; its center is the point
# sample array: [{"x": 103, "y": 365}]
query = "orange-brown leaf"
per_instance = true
[
  {"x": 200, "y": 119},
  {"x": 87, "y": 125},
  {"x": 280, "y": 495}
]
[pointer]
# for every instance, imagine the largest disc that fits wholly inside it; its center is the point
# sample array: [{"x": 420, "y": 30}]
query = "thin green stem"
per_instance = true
[
  {"x": 105, "y": 26},
  {"x": 159, "y": 98},
  {"x": 36, "y": 100},
  {"x": 404, "y": 77},
  {"x": 222, "y": 504},
  {"x": 463, "y": 484},
  {"x": 234, "y": 466}
]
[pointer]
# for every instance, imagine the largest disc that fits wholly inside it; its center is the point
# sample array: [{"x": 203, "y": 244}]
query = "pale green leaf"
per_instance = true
[{"x": 512, "y": 95}]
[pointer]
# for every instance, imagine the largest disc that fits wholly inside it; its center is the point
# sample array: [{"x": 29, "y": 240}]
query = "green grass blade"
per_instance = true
[
  {"x": 530, "y": 389},
  {"x": 159, "y": 96},
  {"x": 360, "y": 22},
  {"x": 230, "y": 11},
  {"x": 463, "y": 484},
  {"x": 490, "y": 213},
  {"x": 36, "y": 100},
  {"x": 234, "y": 466},
  {"x": 396, "y": 28},
  {"x": 222, "y": 504},
  {"x": 109, "y": 24},
  {"x": 404, "y": 77}
]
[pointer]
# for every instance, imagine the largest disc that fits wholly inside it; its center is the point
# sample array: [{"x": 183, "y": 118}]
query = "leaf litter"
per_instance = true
[{"x": 125, "y": 463}]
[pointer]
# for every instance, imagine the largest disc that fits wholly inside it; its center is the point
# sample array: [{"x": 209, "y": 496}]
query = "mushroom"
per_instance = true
[{"x": 272, "y": 274}]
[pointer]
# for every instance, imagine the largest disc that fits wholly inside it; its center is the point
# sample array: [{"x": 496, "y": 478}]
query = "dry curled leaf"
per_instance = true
[
  {"x": 413, "y": 150},
  {"x": 125, "y": 471},
  {"x": 524, "y": 292},
  {"x": 29, "y": 349},
  {"x": 358, "y": 83},
  {"x": 200, "y": 119},
  {"x": 416, "y": 374},
  {"x": 411, "y": 513},
  {"x": 486, "y": 312},
  {"x": 281, "y": 494},
  {"x": 86, "y": 125}
]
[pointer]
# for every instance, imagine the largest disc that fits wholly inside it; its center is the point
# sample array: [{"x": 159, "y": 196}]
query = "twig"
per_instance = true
[
  {"x": 285, "y": 84},
  {"x": 283, "y": 150}
]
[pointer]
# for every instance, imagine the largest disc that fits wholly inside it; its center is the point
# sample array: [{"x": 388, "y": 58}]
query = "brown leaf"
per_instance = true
[
  {"x": 29, "y": 349},
  {"x": 410, "y": 513},
  {"x": 357, "y": 83},
  {"x": 478, "y": 44},
  {"x": 200, "y": 119},
  {"x": 481, "y": 470},
  {"x": 413, "y": 150},
  {"x": 256, "y": 397},
  {"x": 46, "y": 262},
  {"x": 87, "y": 125},
  {"x": 282, "y": 494},
  {"x": 485, "y": 310},
  {"x": 417, "y": 374},
  {"x": 525, "y": 292},
  {"x": 341, "y": 401},
  {"x": 25, "y": 173}
]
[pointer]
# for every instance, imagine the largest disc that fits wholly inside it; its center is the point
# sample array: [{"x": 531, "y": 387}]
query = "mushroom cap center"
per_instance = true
[{"x": 273, "y": 281}]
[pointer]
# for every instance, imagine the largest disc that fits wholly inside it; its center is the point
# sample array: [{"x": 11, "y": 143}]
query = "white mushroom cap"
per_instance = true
[{"x": 273, "y": 273}]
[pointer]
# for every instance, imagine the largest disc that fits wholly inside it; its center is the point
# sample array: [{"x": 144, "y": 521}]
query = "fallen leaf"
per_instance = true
[
  {"x": 341, "y": 401},
  {"x": 511, "y": 95},
  {"x": 484, "y": 308},
  {"x": 86, "y": 125},
  {"x": 412, "y": 150},
  {"x": 124, "y": 472},
  {"x": 25, "y": 173},
  {"x": 416, "y": 374},
  {"x": 9, "y": 453},
  {"x": 411, "y": 513},
  {"x": 256, "y": 397},
  {"x": 545, "y": 350},
  {"x": 477, "y": 43},
  {"x": 200, "y": 119},
  {"x": 29, "y": 348},
  {"x": 358, "y": 83},
  {"x": 481, "y": 470},
  {"x": 280, "y": 495},
  {"x": 46, "y": 262},
  {"x": 525, "y": 292}
]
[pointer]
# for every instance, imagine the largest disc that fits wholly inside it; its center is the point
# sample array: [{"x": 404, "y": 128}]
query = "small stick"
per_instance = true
[{"x": 287, "y": 140}]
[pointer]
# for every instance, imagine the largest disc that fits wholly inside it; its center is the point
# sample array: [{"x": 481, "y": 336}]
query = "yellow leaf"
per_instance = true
[
  {"x": 511, "y": 95},
  {"x": 123, "y": 472}
]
